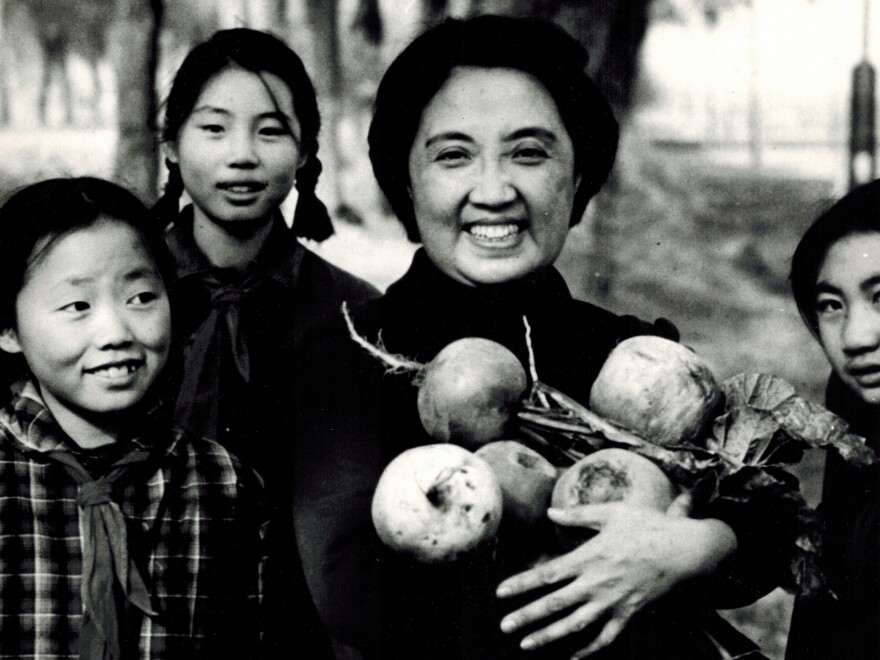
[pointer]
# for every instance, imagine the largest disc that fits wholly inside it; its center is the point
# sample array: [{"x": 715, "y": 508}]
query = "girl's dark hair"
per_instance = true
[
  {"x": 258, "y": 52},
  {"x": 858, "y": 212},
  {"x": 53, "y": 208},
  {"x": 539, "y": 48},
  {"x": 36, "y": 216}
]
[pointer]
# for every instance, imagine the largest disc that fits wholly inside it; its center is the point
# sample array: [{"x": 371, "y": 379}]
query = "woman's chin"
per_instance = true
[{"x": 496, "y": 268}]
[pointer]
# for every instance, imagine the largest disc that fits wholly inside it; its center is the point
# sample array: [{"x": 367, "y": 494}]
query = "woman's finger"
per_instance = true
[
  {"x": 609, "y": 633},
  {"x": 561, "y": 599},
  {"x": 550, "y": 572},
  {"x": 573, "y": 623},
  {"x": 584, "y": 515},
  {"x": 681, "y": 505}
]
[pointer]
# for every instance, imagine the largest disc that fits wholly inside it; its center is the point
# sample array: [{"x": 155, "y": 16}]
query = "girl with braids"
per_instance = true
[{"x": 241, "y": 129}]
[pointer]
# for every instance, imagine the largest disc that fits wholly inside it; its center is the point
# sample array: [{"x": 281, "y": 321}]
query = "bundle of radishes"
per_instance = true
[{"x": 658, "y": 423}]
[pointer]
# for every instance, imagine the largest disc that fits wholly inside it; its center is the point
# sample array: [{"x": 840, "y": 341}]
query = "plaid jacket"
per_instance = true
[{"x": 193, "y": 527}]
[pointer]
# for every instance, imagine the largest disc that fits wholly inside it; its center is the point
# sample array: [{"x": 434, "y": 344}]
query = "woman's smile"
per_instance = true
[
  {"x": 495, "y": 234},
  {"x": 492, "y": 176}
]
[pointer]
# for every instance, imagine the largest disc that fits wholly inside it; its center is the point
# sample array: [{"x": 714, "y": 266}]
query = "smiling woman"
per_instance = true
[
  {"x": 492, "y": 176},
  {"x": 241, "y": 130},
  {"x": 488, "y": 154}
]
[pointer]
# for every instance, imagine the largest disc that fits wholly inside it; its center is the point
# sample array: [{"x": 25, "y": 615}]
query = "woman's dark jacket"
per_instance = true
[
  {"x": 289, "y": 288},
  {"x": 353, "y": 418},
  {"x": 848, "y": 626}
]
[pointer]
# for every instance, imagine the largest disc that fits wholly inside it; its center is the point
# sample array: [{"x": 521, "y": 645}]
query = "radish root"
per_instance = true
[
  {"x": 394, "y": 364},
  {"x": 533, "y": 369}
]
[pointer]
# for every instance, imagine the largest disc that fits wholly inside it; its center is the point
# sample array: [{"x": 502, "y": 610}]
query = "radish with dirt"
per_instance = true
[{"x": 467, "y": 394}]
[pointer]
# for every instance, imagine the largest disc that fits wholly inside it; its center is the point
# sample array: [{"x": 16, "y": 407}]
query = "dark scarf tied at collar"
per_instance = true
[
  {"x": 218, "y": 345},
  {"x": 112, "y": 585}
]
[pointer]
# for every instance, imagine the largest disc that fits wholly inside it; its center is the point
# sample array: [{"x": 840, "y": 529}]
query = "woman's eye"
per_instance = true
[
  {"x": 143, "y": 298},
  {"x": 75, "y": 307},
  {"x": 828, "y": 306},
  {"x": 211, "y": 128},
  {"x": 273, "y": 131},
  {"x": 531, "y": 154},
  {"x": 452, "y": 157}
]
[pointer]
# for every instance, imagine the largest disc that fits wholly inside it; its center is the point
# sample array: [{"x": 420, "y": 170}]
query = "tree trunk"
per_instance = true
[
  {"x": 4, "y": 67},
  {"x": 612, "y": 31},
  {"x": 322, "y": 17},
  {"x": 136, "y": 44}
]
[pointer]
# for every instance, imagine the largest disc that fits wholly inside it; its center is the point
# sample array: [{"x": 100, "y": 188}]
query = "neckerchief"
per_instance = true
[
  {"x": 217, "y": 337},
  {"x": 110, "y": 579},
  {"x": 111, "y": 582},
  {"x": 218, "y": 346}
]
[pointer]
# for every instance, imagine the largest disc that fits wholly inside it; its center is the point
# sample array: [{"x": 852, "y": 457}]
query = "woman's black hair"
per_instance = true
[
  {"x": 539, "y": 48},
  {"x": 36, "y": 216},
  {"x": 258, "y": 52},
  {"x": 858, "y": 212}
]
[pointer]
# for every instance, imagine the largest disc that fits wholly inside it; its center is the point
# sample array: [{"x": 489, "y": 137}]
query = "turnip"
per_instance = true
[
  {"x": 525, "y": 476},
  {"x": 657, "y": 388},
  {"x": 436, "y": 502},
  {"x": 469, "y": 390},
  {"x": 467, "y": 394},
  {"x": 610, "y": 475}
]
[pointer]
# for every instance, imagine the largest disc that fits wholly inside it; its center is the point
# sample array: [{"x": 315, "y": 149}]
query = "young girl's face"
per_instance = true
[
  {"x": 93, "y": 320},
  {"x": 848, "y": 312},
  {"x": 240, "y": 147}
]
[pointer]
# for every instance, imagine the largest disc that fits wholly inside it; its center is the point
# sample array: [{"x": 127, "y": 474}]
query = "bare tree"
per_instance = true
[
  {"x": 136, "y": 40},
  {"x": 4, "y": 68},
  {"x": 323, "y": 18}
]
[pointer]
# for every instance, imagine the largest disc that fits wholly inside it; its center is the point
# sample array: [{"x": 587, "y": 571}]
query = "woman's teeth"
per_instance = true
[
  {"x": 243, "y": 188},
  {"x": 116, "y": 371},
  {"x": 494, "y": 232}
]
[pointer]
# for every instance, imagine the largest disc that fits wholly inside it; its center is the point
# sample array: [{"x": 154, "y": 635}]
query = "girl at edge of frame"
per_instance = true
[
  {"x": 488, "y": 155},
  {"x": 122, "y": 538},
  {"x": 241, "y": 129},
  {"x": 835, "y": 280}
]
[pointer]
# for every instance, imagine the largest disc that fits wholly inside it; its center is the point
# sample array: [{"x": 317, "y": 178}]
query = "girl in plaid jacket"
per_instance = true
[{"x": 119, "y": 537}]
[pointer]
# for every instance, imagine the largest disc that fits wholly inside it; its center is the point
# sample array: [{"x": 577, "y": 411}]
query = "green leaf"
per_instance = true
[
  {"x": 762, "y": 391},
  {"x": 818, "y": 427},
  {"x": 737, "y": 433}
]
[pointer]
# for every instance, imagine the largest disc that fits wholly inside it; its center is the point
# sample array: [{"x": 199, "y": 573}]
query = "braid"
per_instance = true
[
  {"x": 166, "y": 209},
  {"x": 311, "y": 219}
]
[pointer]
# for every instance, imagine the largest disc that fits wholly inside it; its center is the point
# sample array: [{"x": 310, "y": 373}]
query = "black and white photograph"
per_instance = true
[{"x": 439, "y": 329}]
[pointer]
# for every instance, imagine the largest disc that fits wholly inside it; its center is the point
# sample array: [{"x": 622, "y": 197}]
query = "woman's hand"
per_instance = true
[{"x": 637, "y": 556}]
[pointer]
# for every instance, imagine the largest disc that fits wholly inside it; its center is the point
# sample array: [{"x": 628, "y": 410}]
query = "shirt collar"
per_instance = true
[
  {"x": 278, "y": 259},
  {"x": 31, "y": 426}
]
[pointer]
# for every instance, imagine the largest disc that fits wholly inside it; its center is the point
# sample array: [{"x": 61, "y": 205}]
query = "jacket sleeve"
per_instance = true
[{"x": 335, "y": 466}]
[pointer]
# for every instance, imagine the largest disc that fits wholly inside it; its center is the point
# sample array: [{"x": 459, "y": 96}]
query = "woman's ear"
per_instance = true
[{"x": 9, "y": 341}]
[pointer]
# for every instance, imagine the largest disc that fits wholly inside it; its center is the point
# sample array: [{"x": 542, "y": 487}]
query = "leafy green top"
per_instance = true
[{"x": 764, "y": 427}]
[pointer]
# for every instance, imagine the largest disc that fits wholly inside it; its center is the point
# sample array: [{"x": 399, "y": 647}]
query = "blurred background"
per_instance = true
[{"x": 742, "y": 120}]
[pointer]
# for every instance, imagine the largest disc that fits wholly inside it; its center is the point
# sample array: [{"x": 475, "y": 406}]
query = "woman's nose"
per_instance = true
[
  {"x": 112, "y": 328},
  {"x": 242, "y": 149},
  {"x": 861, "y": 329},
  {"x": 492, "y": 186}
]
